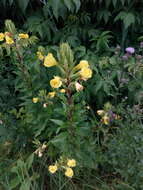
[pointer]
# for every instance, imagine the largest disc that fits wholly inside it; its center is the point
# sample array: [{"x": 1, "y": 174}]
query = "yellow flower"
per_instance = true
[
  {"x": 85, "y": 73},
  {"x": 9, "y": 40},
  {"x": 51, "y": 94},
  {"x": 56, "y": 82},
  {"x": 78, "y": 87},
  {"x": 69, "y": 172},
  {"x": 49, "y": 60},
  {"x": 53, "y": 168},
  {"x": 82, "y": 64},
  {"x": 106, "y": 120},
  {"x": 62, "y": 90},
  {"x": 23, "y": 36},
  {"x": 1, "y": 36},
  {"x": 71, "y": 163},
  {"x": 100, "y": 112},
  {"x": 35, "y": 100},
  {"x": 40, "y": 56}
]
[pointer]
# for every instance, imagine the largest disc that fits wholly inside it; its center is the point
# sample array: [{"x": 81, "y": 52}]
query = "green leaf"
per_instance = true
[
  {"x": 58, "y": 122},
  {"x": 59, "y": 139},
  {"x": 25, "y": 185},
  {"x": 29, "y": 161},
  {"x": 129, "y": 19},
  {"x": 68, "y": 4},
  {"x": 23, "y": 4},
  {"x": 14, "y": 182},
  {"x": 77, "y": 4}
]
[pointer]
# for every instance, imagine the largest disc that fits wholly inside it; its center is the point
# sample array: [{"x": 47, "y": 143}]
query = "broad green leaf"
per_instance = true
[
  {"x": 23, "y": 4},
  {"x": 129, "y": 19},
  {"x": 77, "y": 4},
  {"x": 58, "y": 122},
  {"x": 68, "y": 4}
]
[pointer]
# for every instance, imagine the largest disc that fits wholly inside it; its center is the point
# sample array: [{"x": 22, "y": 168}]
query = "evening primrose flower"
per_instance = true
[
  {"x": 56, "y": 82},
  {"x": 106, "y": 120},
  {"x": 69, "y": 172},
  {"x": 52, "y": 169},
  {"x": 9, "y": 40},
  {"x": 85, "y": 73},
  {"x": 51, "y": 94},
  {"x": 78, "y": 86},
  {"x": 40, "y": 56},
  {"x": 2, "y": 36},
  {"x": 62, "y": 90},
  {"x": 82, "y": 64},
  {"x": 49, "y": 60},
  {"x": 35, "y": 100},
  {"x": 23, "y": 36},
  {"x": 71, "y": 163}
]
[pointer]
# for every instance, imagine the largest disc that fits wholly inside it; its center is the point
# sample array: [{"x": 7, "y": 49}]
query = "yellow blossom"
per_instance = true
[
  {"x": 62, "y": 90},
  {"x": 53, "y": 168},
  {"x": 69, "y": 172},
  {"x": 49, "y": 60},
  {"x": 1, "y": 36},
  {"x": 100, "y": 112},
  {"x": 106, "y": 120},
  {"x": 40, "y": 56},
  {"x": 71, "y": 163},
  {"x": 78, "y": 86},
  {"x": 51, "y": 94},
  {"x": 23, "y": 36},
  {"x": 9, "y": 40},
  {"x": 35, "y": 100},
  {"x": 85, "y": 73},
  {"x": 82, "y": 64},
  {"x": 56, "y": 82}
]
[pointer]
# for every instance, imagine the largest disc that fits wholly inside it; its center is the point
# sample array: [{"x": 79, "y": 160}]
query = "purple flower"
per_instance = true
[{"x": 130, "y": 50}]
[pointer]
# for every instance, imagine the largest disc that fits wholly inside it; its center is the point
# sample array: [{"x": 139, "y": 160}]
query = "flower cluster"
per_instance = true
[
  {"x": 39, "y": 151},
  {"x": 107, "y": 116},
  {"x": 63, "y": 164},
  {"x": 10, "y": 38},
  {"x": 76, "y": 74}
]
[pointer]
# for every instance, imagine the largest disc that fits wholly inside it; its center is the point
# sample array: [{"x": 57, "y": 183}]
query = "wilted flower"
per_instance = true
[
  {"x": 78, "y": 86},
  {"x": 100, "y": 112},
  {"x": 130, "y": 50}
]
